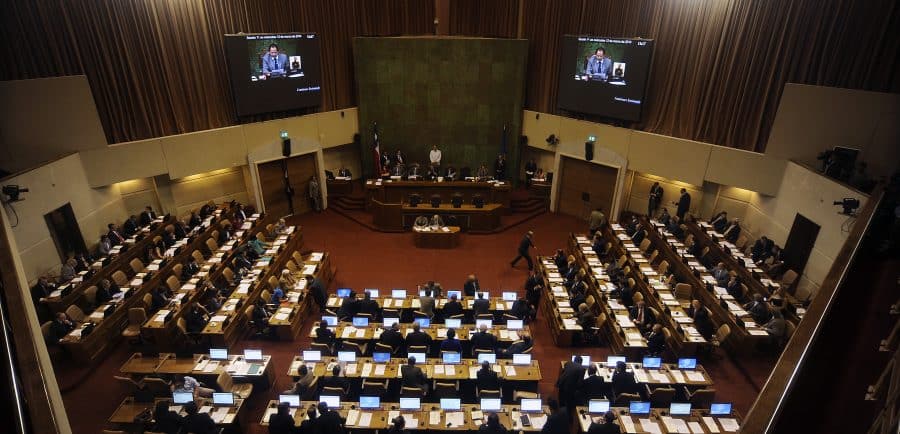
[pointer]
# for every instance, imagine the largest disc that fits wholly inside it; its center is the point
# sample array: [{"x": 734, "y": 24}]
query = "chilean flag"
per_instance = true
[{"x": 376, "y": 152}]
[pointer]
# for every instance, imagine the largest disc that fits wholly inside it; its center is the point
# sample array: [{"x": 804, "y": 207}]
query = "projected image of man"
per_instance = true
[
  {"x": 599, "y": 65},
  {"x": 274, "y": 63}
]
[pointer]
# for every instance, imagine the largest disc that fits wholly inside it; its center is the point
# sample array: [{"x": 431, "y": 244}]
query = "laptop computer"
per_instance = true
[
  {"x": 585, "y": 360},
  {"x": 343, "y": 292},
  {"x": 373, "y": 292},
  {"x": 332, "y": 400},
  {"x": 639, "y": 407},
  {"x": 182, "y": 397},
  {"x": 451, "y": 404},
  {"x": 490, "y": 357},
  {"x": 453, "y": 323},
  {"x": 223, "y": 399},
  {"x": 680, "y": 409},
  {"x": 489, "y": 323},
  {"x": 369, "y": 402},
  {"x": 390, "y": 321},
  {"x": 253, "y": 355},
  {"x": 410, "y": 404},
  {"x": 451, "y": 358},
  {"x": 652, "y": 362},
  {"x": 419, "y": 357},
  {"x": 423, "y": 322},
  {"x": 291, "y": 400},
  {"x": 398, "y": 293},
  {"x": 687, "y": 363},
  {"x": 612, "y": 360},
  {"x": 521, "y": 359},
  {"x": 312, "y": 356},
  {"x": 490, "y": 404},
  {"x": 720, "y": 409},
  {"x": 598, "y": 406},
  {"x": 346, "y": 356},
  {"x": 515, "y": 324},
  {"x": 529, "y": 405},
  {"x": 218, "y": 353},
  {"x": 331, "y": 320},
  {"x": 360, "y": 321},
  {"x": 510, "y": 296},
  {"x": 381, "y": 357},
  {"x": 453, "y": 292}
]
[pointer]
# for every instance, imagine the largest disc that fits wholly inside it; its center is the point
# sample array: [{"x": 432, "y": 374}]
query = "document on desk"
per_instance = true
[
  {"x": 757, "y": 332},
  {"x": 729, "y": 424},
  {"x": 243, "y": 288},
  {"x": 379, "y": 369},
  {"x": 570, "y": 324},
  {"x": 677, "y": 376},
  {"x": 220, "y": 414},
  {"x": 352, "y": 417},
  {"x": 658, "y": 376},
  {"x": 710, "y": 424},
  {"x": 675, "y": 425},
  {"x": 205, "y": 409},
  {"x": 441, "y": 333},
  {"x": 633, "y": 336},
  {"x": 510, "y": 371},
  {"x": 537, "y": 421},
  {"x": 641, "y": 376},
  {"x": 269, "y": 412},
  {"x": 509, "y": 305},
  {"x": 473, "y": 372},
  {"x": 348, "y": 331},
  {"x": 695, "y": 428},
  {"x": 650, "y": 426},
  {"x": 450, "y": 370},
  {"x": 695, "y": 376},
  {"x": 201, "y": 365},
  {"x": 434, "y": 417},
  {"x": 309, "y": 269},
  {"x": 316, "y": 256},
  {"x": 350, "y": 369},
  {"x": 360, "y": 333},
  {"x": 455, "y": 418},
  {"x": 415, "y": 303},
  {"x": 365, "y": 419}
]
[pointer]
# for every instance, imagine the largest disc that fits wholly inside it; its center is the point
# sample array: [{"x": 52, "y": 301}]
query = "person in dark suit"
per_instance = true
[
  {"x": 386, "y": 160},
  {"x": 471, "y": 286},
  {"x": 734, "y": 288},
  {"x": 568, "y": 382},
  {"x": 194, "y": 220},
  {"x": 493, "y": 425},
  {"x": 655, "y": 198},
  {"x": 412, "y": 376},
  {"x": 642, "y": 316},
  {"x": 558, "y": 421},
  {"x": 605, "y": 426},
  {"x": 533, "y": 287},
  {"x": 486, "y": 378},
  {"x": 592, "y": 386},
  {"x": 398, "y": 426},
  {"x": 418, "y": 338},
  {"x": 701, "y": 319},
  {"x": 196, "y": 318},
  {"x": 168, "y": 237},
  {"x": 189, "y": 269},
  {"x": 523, "y": 251},
  {"x": 683, "y": 204},
  {"x": 369, "y": 306},
  {"x": 349, "y": 307},
  {"x": 452, "y": 307},
  {"x": 481, "y": 305},
  {"x": 483, "y": 340},
  {"x": 561, "y": 262},
  {"x": 105, "y": 291},
  {"x": 530, "y": 169},
  {"x": 500, "y": 167},
  {"x": 131, "y": 226},
  {"x": 622, "y": 380},
  {"x": 664, "y": 217},
  {"x": 315, "y": 287},
  {"x": 733, "y": 231},
  {"x": 344, "y": 172},
  {"x": 761, "y": 249},
  {"x": 586, "y": 318},
  {"x": 656, "y": 340},
  {"x": 282, "y": 422},
  {"x": 519, "y": 347},
  {"x": 329, "y": 421},
  {"x": 60, "y": 327},
  {"x": 167, "y": 421},
  {"x": 181, "y": 229},
  {"x": 639, "y": 236},
  {"x": 309, "y": 425},
  {"x": 147, "y": 216},
  {"x": 225, "y": 234},
  {"x": 158, "y": 300},
  {"x": 392, "y": 337},
  {"x": 274, "y": 64},
  {"x": 198, "y": 423},
  {"x": 324, "y": 335},
  {"x": 113, "y": 234},
  {"x": 261, "y": 315},
  {"x": 335, "y": 380},
  {"x": 451, "y": 344},
  {"x": 758, "y": 309},
  {"x": 523, "y": 310}
]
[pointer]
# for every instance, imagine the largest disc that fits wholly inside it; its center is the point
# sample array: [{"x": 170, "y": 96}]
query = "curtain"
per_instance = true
[
  {"x": 719, "y": 67},
  {"x": 493, "y": 19},
  {"x": 157, "y": 67}
]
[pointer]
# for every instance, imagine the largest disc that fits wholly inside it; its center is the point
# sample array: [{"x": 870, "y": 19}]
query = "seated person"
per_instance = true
[
  {"x": 701, "y": 319},
  {"x": 720, "y": 221},
  {"x": 324, "y": 335},
  {"x": 586, "y": 318},
  {"x": 721, "y": 274},
  {"x": 282, "y": 421},
  {"x": 432, "y": 173},
  {"x": 561, "y": 261},
  {"x": 606, "y": 424},
  {"x": 198, "y": 423},
  {"x": 733, "y": 231},
  {"x": 301, "y": 386},
  {"x": 481, "y": 305},
  {"x": 451, "y": 174},
  {"x": 758, "y": 309},
  {"x": 67, "y": 271},
  {"x": 189, "y": 269},
  {"x": 437, "y": 222},
  {"x": 623, "y": 381},
  {"x": 734, "y": 288},
  {"x": 483, "y": 172},
  {"x": 486, "y": 378},
  {"x": 105, "y": 291},
  {"x": 776, "y": 327},
  {"x": 369, "y": 306},
  {"x": 190, "y": 384},
  {"x": 335, "y": 379},
  {"x": 471, "y": 286},
  {"x": 642, "y": 316},
  {"x": 349, "y": 307},
  {"x": 521, "y": 309},
  {"x": 167, "y": 421},
  {"x": 656, "y": 340},
  {"x": 277, "y": 295},
  {"x": 344, "y": 172},
  {"x": 196, "y": 318},
  {"x": 452, "y": 307},
  {"x": 418, "y": 338},
  {"x": 392, "y": 337},
  {"x": 761, "y": 249},
  {"x": 414, "y": 171},
  {"x": 61, "y": 326},
  {"x": 664, "y": 217},
  {"x": 519, "y": 347},
  {"x": 412, "y": 376},
  {"x": 261, "y": 315},
  {"x": 451, "y": 344},
  {"x": 159, "y": 299},
  {"x": 421, "y": 222},
  {"x": 483, "y": 340}
]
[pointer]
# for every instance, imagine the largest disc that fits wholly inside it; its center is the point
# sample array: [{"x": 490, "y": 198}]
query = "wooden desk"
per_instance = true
[
  {"x": 467, "y": 216},
  {"x": 698, "y": 419},
  {"x": 291, "y": 314},
  {"x": 469, "y": 418},
  {"x": 437, "y": 238},
  {"x": 411, "y": 302},
  {"x": 129, "y": 408},
  {"x": 339, "y": 187},
  {"x": 398, "y": 191},
  {"x": 260, "y": 373},
  {"x": 434, "y": 368},
  {"x": 667, "y": 375},
  {"x": 438, "y": 332}
]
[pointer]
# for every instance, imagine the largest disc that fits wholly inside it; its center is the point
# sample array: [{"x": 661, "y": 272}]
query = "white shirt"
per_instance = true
[{"x": 435, "y": 156}]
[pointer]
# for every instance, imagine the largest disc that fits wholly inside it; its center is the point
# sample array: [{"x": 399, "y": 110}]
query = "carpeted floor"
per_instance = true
[{"x": 366, "y": 258}]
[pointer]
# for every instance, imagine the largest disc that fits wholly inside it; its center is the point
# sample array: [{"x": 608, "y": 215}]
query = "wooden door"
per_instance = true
[
  {"x": 275, "y": 176},
  {"x": 585, "y": 186}
]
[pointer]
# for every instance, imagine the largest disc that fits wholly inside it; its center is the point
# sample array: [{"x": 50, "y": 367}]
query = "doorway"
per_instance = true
[
  {"x": 285, "y": 184},
  {"x": 65, "y": 231},
  {"x": 800, "y": 243}
]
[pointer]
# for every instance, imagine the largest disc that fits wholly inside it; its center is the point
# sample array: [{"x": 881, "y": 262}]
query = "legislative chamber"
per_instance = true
[{"x": 450, "y": 216}]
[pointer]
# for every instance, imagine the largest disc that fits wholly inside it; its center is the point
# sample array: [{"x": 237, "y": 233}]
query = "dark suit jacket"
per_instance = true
[
  {"x": 481, "y": 305},
  {"x": 701, "y": 321},
  {"x": 330, "y": 423},
  {"x": 648, "y": 315},
  {"x": 146, "y": 218},
  {"x": 392, "y": 337},
  {"x": 332, "y": 381},
  {"x": 168, "y": 422},
  {"x": 452, "y": 308},
  {"x": 487, "y": 380},
  {"x": 412, "y": 376},
  {"x": 418, "y": 339},
  {"x": 282, "y": 424},
  {"x": 324, "y": 335},
  {"x": 452, "y": 345},
  {"x": 129, "y": 228},
  {"x": 483, "y": 340},
  {"x": 624, "y": 383},
  {"x": 518, "y": 347},
  {"x": 369, "y": 306},
  {"x": 524, "y": 245},
  {"x": 656, "y": 342},
  {"x": 558, "y": 422},
  {"x": 199, "y": 423},
  {"x": 569, "y": 379},
  {"x": 470, "y": 288},
  {"x": 606, "y": 428},
  {"x": 591, "y": 387},
  {"x": 684, "y": 204}
]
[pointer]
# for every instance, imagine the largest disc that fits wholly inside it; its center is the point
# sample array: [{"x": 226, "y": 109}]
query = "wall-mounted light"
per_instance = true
[{"x": 284, "y": 134}]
